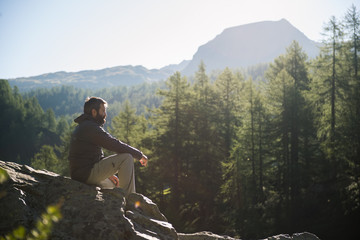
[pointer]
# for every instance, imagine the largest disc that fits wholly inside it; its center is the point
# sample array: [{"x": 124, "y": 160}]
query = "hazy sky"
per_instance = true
[{"x": 42, "y": 36}]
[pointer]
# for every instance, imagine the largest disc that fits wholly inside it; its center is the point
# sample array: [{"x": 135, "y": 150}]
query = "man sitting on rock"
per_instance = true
[{"x": 87, "y": 161}]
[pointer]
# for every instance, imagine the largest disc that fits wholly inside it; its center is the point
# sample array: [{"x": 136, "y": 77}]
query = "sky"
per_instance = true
[{"x": 44, "y": 36}]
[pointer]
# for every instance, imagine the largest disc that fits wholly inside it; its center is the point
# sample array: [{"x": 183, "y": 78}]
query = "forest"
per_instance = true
[{"x": 228, "y": 153}]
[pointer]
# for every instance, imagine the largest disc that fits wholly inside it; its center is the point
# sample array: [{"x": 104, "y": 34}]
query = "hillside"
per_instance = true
[{"x": 93, "y": 79}]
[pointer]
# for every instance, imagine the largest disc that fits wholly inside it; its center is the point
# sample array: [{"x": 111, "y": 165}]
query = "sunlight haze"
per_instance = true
[{"x": 39, "y": 36}]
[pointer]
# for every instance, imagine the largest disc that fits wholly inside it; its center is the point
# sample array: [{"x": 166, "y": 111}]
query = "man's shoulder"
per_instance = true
[
  {"x": 87, "y": 125},
  {"x": 88, "y": 122}
]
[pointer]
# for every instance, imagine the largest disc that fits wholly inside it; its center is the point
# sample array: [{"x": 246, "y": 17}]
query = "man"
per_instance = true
[{"x": 87, "y": 161}]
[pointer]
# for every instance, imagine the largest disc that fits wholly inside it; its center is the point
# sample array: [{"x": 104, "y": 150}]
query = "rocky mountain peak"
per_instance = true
[{"x": 249, "y": 44}]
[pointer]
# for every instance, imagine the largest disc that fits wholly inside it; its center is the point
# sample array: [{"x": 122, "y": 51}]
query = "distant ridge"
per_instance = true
[
  {"x": 248, "y": 45},
  {"x": 93, "y": 79},
  {"x": 236, "y": 47}
]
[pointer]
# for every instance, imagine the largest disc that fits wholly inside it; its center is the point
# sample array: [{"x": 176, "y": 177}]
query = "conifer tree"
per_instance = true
[
  {"x": 251, "y": 136},
  {"x": 46, "y": 159},
  {"x": 297, "y": 69},
  {"x": 288, "y": 81},
  {"x": 125, "y": 125},
  {"x": 64, "y": 131},
  {"x": 352, "y": 27},
  {"x": 326, "y": 94},
  {"x": 49, "y": 120},
  {"x": 279, "y": 93},
  {"x": 22, "y": 130},
  {"x": 172, "y": 135},
  {"x": 228, "y": 88},
  {"x": 203, "y": 162}
]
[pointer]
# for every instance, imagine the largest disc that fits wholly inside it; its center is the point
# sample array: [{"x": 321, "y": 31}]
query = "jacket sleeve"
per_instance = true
[{"x": 102, "y": 138}]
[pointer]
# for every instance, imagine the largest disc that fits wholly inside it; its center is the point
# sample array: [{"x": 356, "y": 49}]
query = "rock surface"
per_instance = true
[
  {"x": 211, "y": 236},
  {"x": 87, "y": 212}
]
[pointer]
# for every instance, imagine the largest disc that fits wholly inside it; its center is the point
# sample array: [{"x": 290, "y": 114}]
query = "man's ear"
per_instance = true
[{"x": 93, "y": 112}]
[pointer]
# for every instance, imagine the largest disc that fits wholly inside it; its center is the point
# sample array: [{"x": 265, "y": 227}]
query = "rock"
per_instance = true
[
  {"x": 279, "y": 237},
  {"x": 304, "y": 236},
  {"x": 147, "y": 217},
  {"x": 211, "y": 236},
  {"x": 138, "y": 202},
  {"x": 88, "y": 212},
  {"x": 203, "y": 236},
  {"x": 295, "y": 236}
]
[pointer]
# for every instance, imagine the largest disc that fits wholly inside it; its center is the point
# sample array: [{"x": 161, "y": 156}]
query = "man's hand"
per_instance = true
[
  {"x": 115, "y": 180},
  {"x": 144, "y": 160}
]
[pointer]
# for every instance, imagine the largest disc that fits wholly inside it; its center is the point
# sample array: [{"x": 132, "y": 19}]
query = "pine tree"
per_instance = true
[
  {"x": 288, "y": 81},
  {"x": 125, "y": 125},
  {"x": 279, "y": 93},
  {"x": 327, "y": 92},
  {"x": 296, "y": 67},
  {"x": 64, "y": 131},
  {"x": 203, "y": 161},
  {"x": 172, "y": 135},
  {"x": 49, "y": 120},
  {"x": 228, "y": 88},
  {"x": 46, "y": 159},
  {"x": 250, "y": 139},
  {"x": 352, "y": 27},
  {"x": 21, "y": 126}
]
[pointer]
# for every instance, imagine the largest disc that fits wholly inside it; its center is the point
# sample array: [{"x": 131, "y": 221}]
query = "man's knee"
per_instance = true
[{"x": 126, "y": 158}]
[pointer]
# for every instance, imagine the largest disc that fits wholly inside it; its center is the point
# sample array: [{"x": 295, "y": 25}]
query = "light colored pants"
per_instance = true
[{"x": 122, "y": 164}]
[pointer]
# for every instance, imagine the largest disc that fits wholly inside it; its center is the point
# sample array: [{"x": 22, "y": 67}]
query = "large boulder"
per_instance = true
[{"x": 87, "y": 212}]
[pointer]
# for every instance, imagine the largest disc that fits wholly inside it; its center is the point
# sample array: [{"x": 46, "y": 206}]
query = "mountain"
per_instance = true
[
  {"x": 248, "y": 45},
  {"x": 175, "y": 67},
  {"x": 93, "y": 79},
  {"x": 236, "y": 47}
]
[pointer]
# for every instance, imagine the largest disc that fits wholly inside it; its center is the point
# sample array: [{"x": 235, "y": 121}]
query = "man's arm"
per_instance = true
[{"x": 102, "y": 138}]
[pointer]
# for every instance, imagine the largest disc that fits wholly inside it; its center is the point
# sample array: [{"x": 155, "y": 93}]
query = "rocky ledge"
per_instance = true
[{"x": 87, "y": 212}]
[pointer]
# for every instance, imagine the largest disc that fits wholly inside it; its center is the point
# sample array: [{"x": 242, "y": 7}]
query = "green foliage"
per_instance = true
[
  {"x": 55, "y": 158},
  {"x": 133, "y": 130},
  {"x": 64, "y": 147},
  {"x": 46, "y": 159},
  {"x": 67, "y": 100},
  {"x": 49, "y": 120},
  {"x": 42, "y": 228},
  {"x": 127, "y": 125},
  {"x": 3, "y": 175},
  {"x": 24, "y": 126},
  {"x": 172, "y": 130},
  {"x": 228, "y": 88}
]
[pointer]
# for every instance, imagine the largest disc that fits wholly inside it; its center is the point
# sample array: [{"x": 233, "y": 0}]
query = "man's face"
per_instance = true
[{"x": 101, "y": 115}]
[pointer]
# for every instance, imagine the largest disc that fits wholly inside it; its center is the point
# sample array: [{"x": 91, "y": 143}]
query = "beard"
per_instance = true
[{"x": 100, "y": 119}]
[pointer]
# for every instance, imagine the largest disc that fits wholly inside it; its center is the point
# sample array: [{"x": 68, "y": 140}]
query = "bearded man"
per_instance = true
[{"x": 86, "y": 157}]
